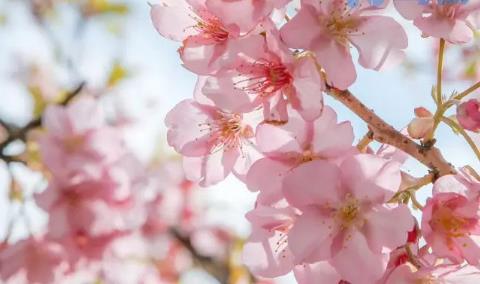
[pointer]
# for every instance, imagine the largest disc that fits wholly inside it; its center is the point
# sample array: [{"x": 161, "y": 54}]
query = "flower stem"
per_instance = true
[
  {"x": 441, "y": 52},
  {"x": 385, "y": 133},
  {"x": 467, "y": 91},
  {"x": 455, "y": 127},
  {"x": 365, "y": 141}
]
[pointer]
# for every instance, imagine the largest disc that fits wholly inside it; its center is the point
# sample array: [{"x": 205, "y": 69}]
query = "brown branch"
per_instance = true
[
  {"x": 385, "y": 133},
  {"x": 217, "y": 269}
]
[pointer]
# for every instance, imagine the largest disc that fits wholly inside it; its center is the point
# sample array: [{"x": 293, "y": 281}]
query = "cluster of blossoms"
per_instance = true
[
  {"x": 326, "y": 210},
  {"x": 107, "y": 212}
]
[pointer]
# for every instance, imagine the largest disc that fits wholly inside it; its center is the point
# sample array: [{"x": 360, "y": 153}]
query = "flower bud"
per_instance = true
[
  {"x": 422, "y": 124},
  {"x": 468, "y": 115}
]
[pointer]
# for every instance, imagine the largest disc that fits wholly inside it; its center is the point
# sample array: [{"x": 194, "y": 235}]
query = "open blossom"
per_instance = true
[
  {"x": 34, "y": 260},
  {"x": 468, "y": 115},
  {"x": 270, "y": 77},
  {"x": 209, "y": 41},
  {"x": 345, "y": 219},
  {"x": 451, "y": 219},
  {"x": 212, "y": 141},
  {"x": 77, "y": 135},
  {"x": 441, "y": 19},
  {"x": 93, "y": 204},
  {"x": 292, "y": 144},
  {"x": 329, "y": 28}
]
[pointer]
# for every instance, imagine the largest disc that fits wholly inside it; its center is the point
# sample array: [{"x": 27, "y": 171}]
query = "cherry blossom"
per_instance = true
[
  {"x": 78, "y": 134},
  {"x": 33, "y": 260},
  {"x": 329, "y": 28},
  {"x": 292, "y": 144},
  {"x": 209, "y": 40},
  {"x": 344, "y": 217},
  {"x": 450, "y": 220},
  {"x": 449, "y": 21},
  {"x": 214, "y": 142},
  {"x": 271, "y": 77}
]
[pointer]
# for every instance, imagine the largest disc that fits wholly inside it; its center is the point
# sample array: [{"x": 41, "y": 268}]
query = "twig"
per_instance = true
[
  {"x": 363, "y": 143},
  {"x": 385, "y": 133},
  {"x": 215, "y": 268},
  {"x": 461, "y": 131},
  {"x": 467, "y": 91},
  {"x": 441, "y": 52}
]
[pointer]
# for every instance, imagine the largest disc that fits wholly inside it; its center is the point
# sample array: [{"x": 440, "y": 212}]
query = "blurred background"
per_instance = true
[{"x": 49, "y": 48}]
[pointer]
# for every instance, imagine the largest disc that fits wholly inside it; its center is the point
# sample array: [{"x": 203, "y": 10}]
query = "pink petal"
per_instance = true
[
  {"x": 336, "y": 60},
  {"x": 173, "y": 19},
  {"x": 283, "y": 139},
  {"x": 295, "y": 34},
  {"x": 312, "y": 273},
  {"x": 211, "y": 169},
  {"x": 356, "y": 263},
  {"x": 301, "y": 192},
  {"x": 382, "y": 233},
  {"x": 371, "y": 178},
  {"x": 185, "y": 132},
  {"x": 409, "y": 9},
  {"x": 379, "y": 47},
  {"x": 266, "y": 175},
  {"x": 329, "y": 138},
  {"x": 309, "y": 85},
  {"x": 266, "y": 254},
  {"x": 222, "y": 91},
  {"x": 311, "y": 237}
]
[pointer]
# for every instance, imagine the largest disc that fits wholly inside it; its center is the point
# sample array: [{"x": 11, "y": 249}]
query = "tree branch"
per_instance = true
[
  {"x": 217, "y": 269},
  {"x": 385, "y": 133}
]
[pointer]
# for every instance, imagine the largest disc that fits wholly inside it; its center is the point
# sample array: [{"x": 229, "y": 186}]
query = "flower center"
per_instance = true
[
  {"x": 349, "y": 212},
  {"x": 211, "y": 28},
  {"x": 341, "y": 26},
  {"x": 73, "y": 143},
  {"x": 227, "y": 131},
  {"x": 266, "y": 78},
  {"x": 447, "y": 222}
]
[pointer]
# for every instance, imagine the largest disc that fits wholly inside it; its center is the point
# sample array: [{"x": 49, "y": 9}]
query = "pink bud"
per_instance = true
[
  {"x": 422, "y": 112},
  {"x": 468, "y": 115}
]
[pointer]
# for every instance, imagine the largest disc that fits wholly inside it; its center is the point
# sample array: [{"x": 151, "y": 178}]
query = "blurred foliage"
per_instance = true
[{"x": 117, "y": 74}]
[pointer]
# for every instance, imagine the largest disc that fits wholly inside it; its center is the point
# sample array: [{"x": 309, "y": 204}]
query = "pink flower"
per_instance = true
[
  {"x": 34, "y": 260},
  {"x": 345, "y": 219},
  {"x": 92, "y": 204},
  {"x": 440, "y": 20},
  {"x": 77, "y": 135},
  {"x": 329, "y": 28},
  {"x": 292, "y": 144},
  {"x": 209, "y": 39},
  {"x": 468, "y": 115},
  {"x": 270, "y": 77},
  {"x": 451, "y": 219},
  {"x": 266, "y": 252},
  {"x": 448, "y": 274},
  {"x": 212, "y": 141}
]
